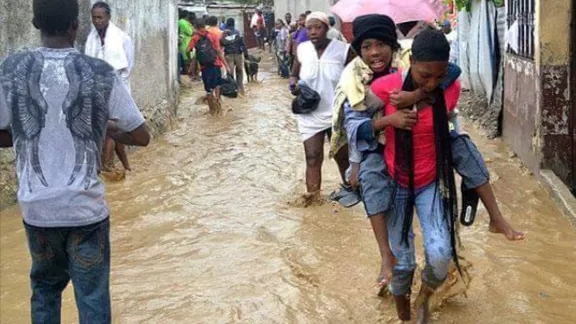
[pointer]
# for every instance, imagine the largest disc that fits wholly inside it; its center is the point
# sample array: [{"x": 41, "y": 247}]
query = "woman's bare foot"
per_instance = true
[{"x": 502, "y": 227}]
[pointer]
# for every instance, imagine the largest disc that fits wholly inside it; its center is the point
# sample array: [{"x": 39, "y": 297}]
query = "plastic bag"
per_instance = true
[{"x": 306, "y": 102}]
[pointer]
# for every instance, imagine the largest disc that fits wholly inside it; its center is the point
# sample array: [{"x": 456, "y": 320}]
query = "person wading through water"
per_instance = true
[
  {"x": 108, "y": 42},
  {"x": 318, "y": 64},
  {"x": 421, "y": 161},
  {"x": 57, "y": 102},
  {"x": 185, "y": 33},
  {"x": 235, "y": 51},
  {"x": 211, "y": 58},
  {"x": 356, "y": 108},
  {"x": 258, "y": 25}
]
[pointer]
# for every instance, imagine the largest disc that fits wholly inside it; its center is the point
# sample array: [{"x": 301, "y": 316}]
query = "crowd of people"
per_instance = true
[
  {"x": 225, "y": 40},
  {"x": 390, "y": 119}
]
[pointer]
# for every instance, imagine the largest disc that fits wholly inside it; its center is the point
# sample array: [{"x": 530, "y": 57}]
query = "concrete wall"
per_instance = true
[
  {"x": 521, "y": 110},
  {"x": 537, "y": 100},
  {"x": 152, "y": 24}
]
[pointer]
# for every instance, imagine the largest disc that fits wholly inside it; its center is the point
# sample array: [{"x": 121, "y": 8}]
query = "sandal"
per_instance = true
[{"x": 346, "y": 196}]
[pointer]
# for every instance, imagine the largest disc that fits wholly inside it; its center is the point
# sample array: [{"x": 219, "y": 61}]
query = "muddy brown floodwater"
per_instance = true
[{"x": 203, "y": 232}]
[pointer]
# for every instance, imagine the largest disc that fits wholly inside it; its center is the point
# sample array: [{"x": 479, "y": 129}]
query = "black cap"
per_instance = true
[{"x": 375, "y": 26}]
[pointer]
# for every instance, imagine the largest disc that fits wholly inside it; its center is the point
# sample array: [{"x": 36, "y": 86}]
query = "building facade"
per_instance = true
[{"x": 539, "y": 115}]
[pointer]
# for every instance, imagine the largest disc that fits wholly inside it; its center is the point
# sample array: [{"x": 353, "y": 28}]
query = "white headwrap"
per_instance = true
[{"x": 318, "y": 15}]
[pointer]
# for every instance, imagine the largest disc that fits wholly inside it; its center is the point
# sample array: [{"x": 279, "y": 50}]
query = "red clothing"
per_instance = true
[
  {"x": 215, "y": 44},
  {"x": 422, "y": 132}
]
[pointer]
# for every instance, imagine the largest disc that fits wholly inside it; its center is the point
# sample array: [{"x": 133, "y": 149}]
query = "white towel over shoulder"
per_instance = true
[{"x": 117, "y": 51}]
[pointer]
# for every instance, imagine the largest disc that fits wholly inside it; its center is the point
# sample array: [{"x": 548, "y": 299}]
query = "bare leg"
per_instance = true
[
  {"x": 122, "y": 156},
  {"x": 380, "y": 227},
  {"x": 498, "y": 223},
  {"x": 343, "y": 162},
  {"x": 314, "y": 150},
  {"x": 218, "y": 101},
  {"x": 108, "y": 155},
  {"x": 193, "y": 69},
  {"x": 211, "y": 100}
]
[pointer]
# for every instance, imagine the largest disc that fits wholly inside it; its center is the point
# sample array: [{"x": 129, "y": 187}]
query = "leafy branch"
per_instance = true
[{"x": 467, "y": 4}]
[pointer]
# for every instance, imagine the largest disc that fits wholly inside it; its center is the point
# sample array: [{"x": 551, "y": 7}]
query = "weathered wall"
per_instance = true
[
  {"x": 537, "y": 109},
  {"x": 152, "y": 24},
  {"x": 554, "y": 62},
  {"x": 520, "y": 117}
]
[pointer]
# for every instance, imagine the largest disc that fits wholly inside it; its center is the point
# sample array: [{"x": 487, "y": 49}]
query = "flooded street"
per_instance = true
[{"x": 203, "y": 231}]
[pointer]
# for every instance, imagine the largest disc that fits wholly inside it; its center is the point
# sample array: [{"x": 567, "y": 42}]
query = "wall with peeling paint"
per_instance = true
[
  {"x": 520, "y": 115},
  {"x": 152, "y": 24},
  {"x": 537, "y": 104}
]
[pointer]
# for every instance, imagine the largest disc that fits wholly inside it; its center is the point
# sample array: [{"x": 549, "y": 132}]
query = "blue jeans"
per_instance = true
[
  {"x": 80, "y": 254},
  {"x": 436, "y": 236}
]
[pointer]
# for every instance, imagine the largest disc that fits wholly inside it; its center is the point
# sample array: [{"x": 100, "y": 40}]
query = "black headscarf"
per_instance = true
[
  {"x": 380, "y": 27},
  {"x": 429, "y": 46}
]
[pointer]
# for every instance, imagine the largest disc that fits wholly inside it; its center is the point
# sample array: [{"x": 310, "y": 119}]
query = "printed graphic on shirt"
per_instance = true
[
  {"x": 21, "y": 82},
  {"x": 85, "y": 109}
]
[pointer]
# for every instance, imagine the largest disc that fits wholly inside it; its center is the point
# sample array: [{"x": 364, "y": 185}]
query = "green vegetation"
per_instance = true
[{"x": 466, "y": 4}]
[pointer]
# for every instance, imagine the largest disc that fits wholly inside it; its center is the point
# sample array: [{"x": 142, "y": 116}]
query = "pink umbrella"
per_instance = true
[{"x": 399, "y": 10}]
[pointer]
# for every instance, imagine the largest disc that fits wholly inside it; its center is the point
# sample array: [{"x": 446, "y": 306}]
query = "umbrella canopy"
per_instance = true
[{"x": 399, "y": 10}]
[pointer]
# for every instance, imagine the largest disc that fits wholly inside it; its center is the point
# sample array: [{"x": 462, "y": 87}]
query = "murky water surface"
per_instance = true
[{"x": 203, "y": 232}]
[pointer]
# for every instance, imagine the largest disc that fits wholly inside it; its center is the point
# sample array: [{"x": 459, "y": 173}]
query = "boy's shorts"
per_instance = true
[
  {"x": 376, "y": 186},
  {"x": 468, "y": 162},
  {"x": 212, "y": 78}
]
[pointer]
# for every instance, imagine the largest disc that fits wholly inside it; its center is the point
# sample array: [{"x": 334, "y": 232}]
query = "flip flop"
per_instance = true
[
  {"x": 346, "y": 196},
  {"x": 337, "y": 194}
]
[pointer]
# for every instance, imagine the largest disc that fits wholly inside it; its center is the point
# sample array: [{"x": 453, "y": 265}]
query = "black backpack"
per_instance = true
[{"x": 205, "y": 52}]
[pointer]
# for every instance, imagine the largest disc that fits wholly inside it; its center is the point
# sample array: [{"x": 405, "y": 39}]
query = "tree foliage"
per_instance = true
[{"x": 467, "y": 4}]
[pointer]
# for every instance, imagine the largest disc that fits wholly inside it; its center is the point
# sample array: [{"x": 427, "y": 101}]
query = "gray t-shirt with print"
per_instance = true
[{"x": 56, "y": 103}]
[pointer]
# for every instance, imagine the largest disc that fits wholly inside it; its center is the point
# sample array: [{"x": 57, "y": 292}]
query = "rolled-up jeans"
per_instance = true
[
  {"x": 436, "y": 237},
  {"x": 80, "y": 254}
]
